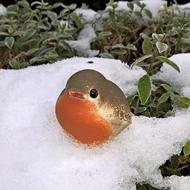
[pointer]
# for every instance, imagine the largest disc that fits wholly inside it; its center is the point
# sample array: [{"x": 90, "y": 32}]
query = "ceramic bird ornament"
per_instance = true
[{"x": 91, "y": 108}]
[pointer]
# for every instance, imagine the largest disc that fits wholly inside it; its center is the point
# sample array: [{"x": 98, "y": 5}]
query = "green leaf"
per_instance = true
[
  {"x": 143, "y": 35},
  {"x": 131, "y": 98},
  {"x": 147, "y": 46},
  {"x": 37, "y": 60},
  {"x": 10, "y": 30},
  {"x": 24, "y": 4},
  {"x": 174, "y": 161},
  {"x": 104, "y": 34},
  {"x": 56, "y": 5},
  {"x": 118, "y": 51},
  {"x": 186, "y": 148},
  {"x": 121, "y": 46},
  {"x": 138, "y": 14},
  {"x": 4, "y": 34},
  {"x": 157, "y": 37},
  {"x": 130, "y": 5},
  {"x": 118, "y": 46},
  {"x": 163, "y": 98},
  {"x": 162, "y": 47},
  {"x": 131, "y": 47},
  {"x": 140, "y": 109},
  {"x": 51, "y": 15},
  {"x": 183, "y": 99},
  {"x": 31, "y": 52},
  {"x": 16, "y": 64},
  {"x": 51, "y": 56},
  {"x": 12, "y": 8},
  {"x": 141, "y": 59},
  {"x": 106, "y": 55},
  {"x": 76, "y": 19},
  {"x": 144, "y": 88},
  {"x": 167, "y": 87},
  {"x": 148, "y": 13},
  {"x": 141, "y": 5},
  {"x": 164, "y": 59},
  {"x": 112, "y": 4},
  {"x": 27, "y": 34},
  {"x": 9, "y": 42}
]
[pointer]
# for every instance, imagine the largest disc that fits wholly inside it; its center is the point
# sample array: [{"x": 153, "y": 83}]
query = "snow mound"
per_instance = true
[
  {"x": 83, "y": 43},
  {"x": 180, "y": 81},
  {"x": 37, "y": 154}
]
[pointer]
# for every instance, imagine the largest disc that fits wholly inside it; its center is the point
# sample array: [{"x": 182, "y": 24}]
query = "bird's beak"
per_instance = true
[{"x": 76, "y": 94}]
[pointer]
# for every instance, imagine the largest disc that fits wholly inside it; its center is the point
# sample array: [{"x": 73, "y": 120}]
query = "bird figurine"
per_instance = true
[{"x": 91, "y": 108}]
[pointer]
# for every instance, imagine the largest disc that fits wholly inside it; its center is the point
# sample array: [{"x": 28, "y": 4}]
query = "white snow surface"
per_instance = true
[
  {"x": 179, "y": 81},
  {"x": 88, "y": 15},
  {"x": 182, "y": 183},
  {"x": 82, "y": 44},
  {"x": 3, "y": 10},
  {"x": 37, "y": 154}
]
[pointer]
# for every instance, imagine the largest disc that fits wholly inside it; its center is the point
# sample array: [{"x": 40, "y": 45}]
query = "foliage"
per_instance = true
[
  {"x": 156, "y": 100},
  {"x": 36, "y": 36},
  {"x": 136, "y": 37},
  {"x": 177, "y": 165},
  {"x": 145, "y": 187},
  {"x": 144, "y": 88}
]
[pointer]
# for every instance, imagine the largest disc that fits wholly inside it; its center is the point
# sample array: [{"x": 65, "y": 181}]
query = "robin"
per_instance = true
[{"x": 91, "y": 108}]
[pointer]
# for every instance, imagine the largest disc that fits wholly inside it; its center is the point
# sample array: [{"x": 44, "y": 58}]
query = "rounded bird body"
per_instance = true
[{"x": 91, "y": 108}]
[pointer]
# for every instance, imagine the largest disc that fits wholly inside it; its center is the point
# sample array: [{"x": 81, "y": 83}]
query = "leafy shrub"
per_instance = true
[
  {"x": 36, "y": 36},
  {"x": 136, "y": 37}
]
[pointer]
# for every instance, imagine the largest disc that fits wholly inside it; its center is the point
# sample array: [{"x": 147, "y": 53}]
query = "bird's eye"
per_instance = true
[{"x": 93, "y": 93}]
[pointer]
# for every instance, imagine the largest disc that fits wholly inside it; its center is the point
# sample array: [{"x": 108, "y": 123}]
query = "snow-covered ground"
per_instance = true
[{"x": 37, "y": 154}]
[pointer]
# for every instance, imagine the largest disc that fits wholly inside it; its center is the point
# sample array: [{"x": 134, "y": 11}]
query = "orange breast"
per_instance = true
[{"x": 80, "y": 119}]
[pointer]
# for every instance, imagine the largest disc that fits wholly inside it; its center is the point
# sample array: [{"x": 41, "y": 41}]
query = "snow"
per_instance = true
[
  {"x": 3, "y": 10},
  {"x": 180, "y": 183},
  {"x": 179, "y": 81},
  {"x": 82, "y": 44},
  {"x": 87, "y": 34},
  {"x": 37, "y": 154}
]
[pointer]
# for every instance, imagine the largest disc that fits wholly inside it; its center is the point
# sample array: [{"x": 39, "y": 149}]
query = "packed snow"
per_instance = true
[{"x": 37, "y": 154}]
